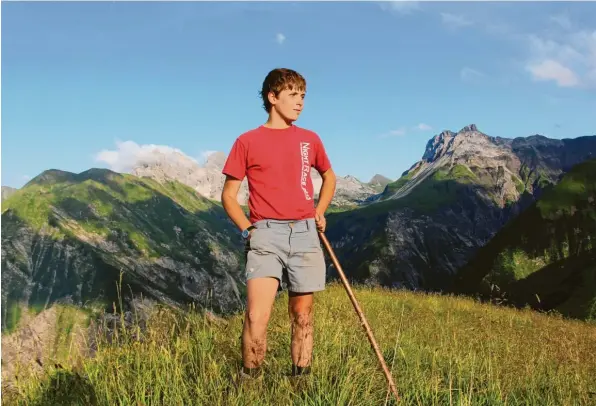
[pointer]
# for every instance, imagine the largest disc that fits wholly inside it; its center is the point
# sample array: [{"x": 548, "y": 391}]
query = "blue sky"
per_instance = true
[{"x": 383, "y": 78}]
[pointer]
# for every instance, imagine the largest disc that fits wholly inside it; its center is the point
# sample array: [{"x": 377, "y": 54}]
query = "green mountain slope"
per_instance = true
[
  {"x": 420, "y": 239},
  {"x": 7, "y": 191},
  {"x": 67, "y": 237},
  {"x": 424, "y": 227},
  {"x": 546, "y": 257}
]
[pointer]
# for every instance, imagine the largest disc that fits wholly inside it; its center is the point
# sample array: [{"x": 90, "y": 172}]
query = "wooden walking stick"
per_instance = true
[{"x": 360, "y": 313}]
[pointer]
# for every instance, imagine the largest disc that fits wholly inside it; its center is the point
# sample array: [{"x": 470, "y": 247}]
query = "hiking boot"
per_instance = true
[
  {"x": 300, "y": 371},
  {"x": 248, "y": 376},
  {"x": 299, "y": 377}
]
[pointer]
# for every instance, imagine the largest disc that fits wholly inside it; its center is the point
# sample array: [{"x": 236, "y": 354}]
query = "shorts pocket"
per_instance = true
[
  {"x": 256, "y": 238},
  {"x": 306, "y": 242}
]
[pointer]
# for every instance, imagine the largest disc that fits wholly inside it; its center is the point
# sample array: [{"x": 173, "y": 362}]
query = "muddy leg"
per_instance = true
[
  {"x": 261, "y": 295},
  {"x": 300, "y": 307}
]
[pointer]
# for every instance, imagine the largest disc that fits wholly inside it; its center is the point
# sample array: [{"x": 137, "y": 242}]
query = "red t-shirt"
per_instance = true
[{"x": 277, "y": 165}]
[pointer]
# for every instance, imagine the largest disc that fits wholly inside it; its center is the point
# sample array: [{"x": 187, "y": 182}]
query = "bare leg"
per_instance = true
[
  {"x": 261, "y": 295},
  {"x": 300, "y": 307}
]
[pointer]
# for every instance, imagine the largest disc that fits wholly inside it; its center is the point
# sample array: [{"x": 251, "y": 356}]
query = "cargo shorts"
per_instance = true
[{"x": 289, "y": 251}]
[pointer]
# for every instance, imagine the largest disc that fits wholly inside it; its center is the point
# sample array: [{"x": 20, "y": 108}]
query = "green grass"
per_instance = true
[
  {"x": 519, "y": 185},
  {"x": 12, "y": 317},
  {"x": 544, "y": 257},
  {"x": 513, "y": 265},
  {"x": 441, "y": 351},
  {"x": 576, "y": 186},
  {"x": 396, "y": 185}
]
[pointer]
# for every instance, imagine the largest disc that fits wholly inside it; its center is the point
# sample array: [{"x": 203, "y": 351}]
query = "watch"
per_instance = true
[{"x": 246, "y": 232}]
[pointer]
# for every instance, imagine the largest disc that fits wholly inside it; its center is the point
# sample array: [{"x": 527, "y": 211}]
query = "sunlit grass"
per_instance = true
[{"x": 441, "y": 350}]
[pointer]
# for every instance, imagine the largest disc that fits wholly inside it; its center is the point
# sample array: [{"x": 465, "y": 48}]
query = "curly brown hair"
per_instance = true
[{"x": 281, "y": 79}]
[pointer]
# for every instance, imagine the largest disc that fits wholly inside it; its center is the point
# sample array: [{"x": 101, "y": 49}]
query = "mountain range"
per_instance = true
[
  {"x": 208, "y": 180},
  {"x": 71, "y": 237},
  {"x": 426, "y": 225}
]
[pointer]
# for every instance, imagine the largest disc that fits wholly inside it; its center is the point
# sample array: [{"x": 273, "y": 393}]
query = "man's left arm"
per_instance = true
[
  {"x": 327, "y": 191},
  {"x": 323, "y": 166}
]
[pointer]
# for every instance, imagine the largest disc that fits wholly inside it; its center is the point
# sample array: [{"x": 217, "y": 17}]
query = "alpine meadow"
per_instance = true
[{"x": 462, "y": 143}]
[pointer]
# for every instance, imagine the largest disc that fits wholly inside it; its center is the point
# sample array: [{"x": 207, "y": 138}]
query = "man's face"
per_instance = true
[{"x": 289, "y": 103}]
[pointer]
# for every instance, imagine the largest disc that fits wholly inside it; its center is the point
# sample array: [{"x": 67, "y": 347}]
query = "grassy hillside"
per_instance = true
[
  {"x": 441, "y": 350},
  {"x": 101, "y": 202},
  {"x": 69, "y": 236},
  {"x": 546, "y": 257}
]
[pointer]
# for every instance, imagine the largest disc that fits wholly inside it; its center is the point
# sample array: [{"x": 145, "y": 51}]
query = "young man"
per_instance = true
[{"x": 282, "y": 241}]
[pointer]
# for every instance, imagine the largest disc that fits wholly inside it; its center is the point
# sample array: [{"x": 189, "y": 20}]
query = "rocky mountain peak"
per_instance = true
[
  {"x": 379, "y": 179},
  {"x": 436, "y": 146},
  {"x": 208, "y": 180},
  {"x": 446, "y": 143},
  {"x": 469, "y": 128},
  {"x": 216, "y": 160},
  {"x": 351, "y": 178}
]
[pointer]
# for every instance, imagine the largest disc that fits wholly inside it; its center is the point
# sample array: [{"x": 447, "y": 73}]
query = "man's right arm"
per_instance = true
[
  {"x": 235, "y": 171},
  {"x": 230, "y": 203}
]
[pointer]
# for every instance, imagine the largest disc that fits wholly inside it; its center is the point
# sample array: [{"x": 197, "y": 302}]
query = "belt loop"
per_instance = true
[
  {"x": 268, "y": 226},
  {"x": 307, "y": 225}
]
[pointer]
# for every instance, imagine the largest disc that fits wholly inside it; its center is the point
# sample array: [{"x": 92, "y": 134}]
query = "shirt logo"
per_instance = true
[{"x": 304, "y": 148}]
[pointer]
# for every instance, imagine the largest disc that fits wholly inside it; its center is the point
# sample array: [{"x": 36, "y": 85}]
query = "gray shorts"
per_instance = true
[{"x": 289, "y": 251}]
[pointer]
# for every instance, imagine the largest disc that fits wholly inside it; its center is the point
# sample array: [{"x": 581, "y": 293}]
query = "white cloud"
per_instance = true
[
  {"x": 562, "y": 20},
  {"x": 26, "y": 177},
  {"x": 423, "y": 127},
  {"x": 394, "y": 133},
  {"x": 454, "y": 20},
  {"x": 401, "y": 7},
  {"x": 399, "y": 132},
  {"x": 469, "y": 75},
  {"x": 129, "y": 154},
  {"x": 553, "y": 70},
  {"x": 568, "y": 59},
  {"x": 280, "y": 38}
]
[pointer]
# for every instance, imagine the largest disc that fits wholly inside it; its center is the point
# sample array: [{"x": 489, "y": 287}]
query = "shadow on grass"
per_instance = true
[{"x": 68, "y": 388}]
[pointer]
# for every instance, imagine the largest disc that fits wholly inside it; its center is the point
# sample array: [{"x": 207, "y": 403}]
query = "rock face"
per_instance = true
[
  {"x": 378, "y": 182},
  {"x": 208, "y": 179},
  {"x": 426, "y": 225},
  {"x": 349, "y": 190},
  {"x": 495, "y": 166},
  {"x": 67, "y": 237},
  {"x": 7, "y": 191}
]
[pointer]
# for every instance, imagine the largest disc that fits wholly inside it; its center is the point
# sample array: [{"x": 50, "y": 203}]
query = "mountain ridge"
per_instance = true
[
  {"x": 425, "y": 226},
  {"x": 416, "y": 233},
  {"x": 68, "y": 236},
  {"x": 208, "y": 180}
]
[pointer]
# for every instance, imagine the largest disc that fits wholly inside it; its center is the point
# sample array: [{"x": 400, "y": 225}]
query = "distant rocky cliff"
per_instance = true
[
  {"x": 426, "y": 225},
  {"x": 208, "y": 180}
]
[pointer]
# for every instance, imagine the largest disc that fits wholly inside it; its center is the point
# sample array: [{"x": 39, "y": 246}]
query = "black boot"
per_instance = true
[{"x": 296, "y": 370}]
